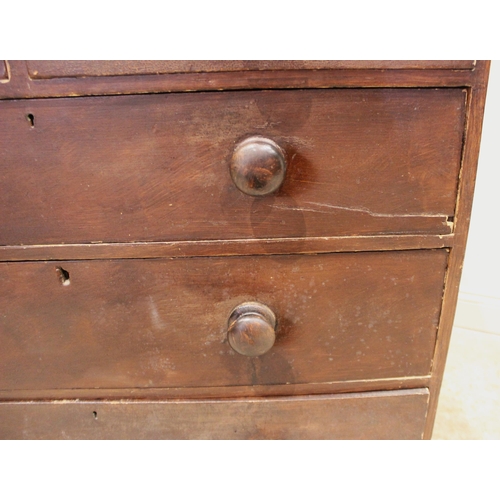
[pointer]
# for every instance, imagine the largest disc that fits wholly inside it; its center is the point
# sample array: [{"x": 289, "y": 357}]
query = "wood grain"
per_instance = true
[
  {"x": 161, "y": 393},
  {"x": 476, "y": 102},
  {"x": 22, "y": 86},
  {"x": 65, "y": 69},
  {"x": 88, "y": 330},
  {"x": 163, "y": 323},
  {"x": 377, "y": 415},
  {"x": 156, "y": 167}
]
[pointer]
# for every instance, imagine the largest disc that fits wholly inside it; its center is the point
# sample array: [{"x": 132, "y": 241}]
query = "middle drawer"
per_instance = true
[{"x": 164, "y": 323}]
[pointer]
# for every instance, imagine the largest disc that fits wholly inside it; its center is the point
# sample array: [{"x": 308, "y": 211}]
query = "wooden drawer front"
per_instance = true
[
  {"x": 376, "y": 415},
  {"x": 156, "y": 167},
  {"x": 163, "y": 323}
]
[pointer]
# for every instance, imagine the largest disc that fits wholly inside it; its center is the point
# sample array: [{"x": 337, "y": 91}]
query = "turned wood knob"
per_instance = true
[
  {"x": 251, "y": 329},
  {"x": 258, "y": 166}
]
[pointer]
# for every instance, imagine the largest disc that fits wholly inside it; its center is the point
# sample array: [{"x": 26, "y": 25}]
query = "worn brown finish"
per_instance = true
[
  {"x": 258, "y": 166},
  {"x": 380, "y": 167},
  {"x": 161, "y": 393},
  {"x": 477, "y": 97},
  {"x": 21, "y": 85},
  {"x": 218, "y": 248},
  {"x": 65, "y": 69},
  {"x": 251, "y": 329},
  {"x": 163, "y": 323},
  {"x": 377, "y": 415},
  {"x": 149, "y": 168}
]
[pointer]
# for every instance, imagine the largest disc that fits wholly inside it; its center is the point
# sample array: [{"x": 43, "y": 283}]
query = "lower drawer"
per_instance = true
[{"x": 375, "y": 415}]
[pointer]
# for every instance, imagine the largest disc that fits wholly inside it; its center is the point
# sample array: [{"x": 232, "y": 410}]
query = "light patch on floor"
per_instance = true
[{"x": 469, "y": 404}]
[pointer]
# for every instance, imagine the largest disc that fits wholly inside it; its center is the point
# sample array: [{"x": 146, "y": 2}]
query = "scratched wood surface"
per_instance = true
[
  {"x": 376, "y": 415},
  {"x": 218, "y": 392},
  {"x": 65, "y": 69},
  {"x": 155, "y": 167},
  {"x": 60, "y": 346},
  {"x": 219, "y": 248},
  {"x": 476, "y": 104},
  {"x": 21, "y": 84},
  {"x": 163, "y": 323}
]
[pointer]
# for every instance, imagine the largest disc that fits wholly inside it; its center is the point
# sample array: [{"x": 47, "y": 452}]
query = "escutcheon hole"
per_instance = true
[{"x": 63, "y": 276}]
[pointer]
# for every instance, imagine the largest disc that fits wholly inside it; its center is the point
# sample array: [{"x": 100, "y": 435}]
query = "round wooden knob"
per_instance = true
[
  {"x": 251, "y": 329},
  {"x": 258, "y": 166}
]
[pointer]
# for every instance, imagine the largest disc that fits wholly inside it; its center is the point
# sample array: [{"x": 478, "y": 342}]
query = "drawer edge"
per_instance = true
[
  {"x": 225, "y": 248},
  {"x": 276, "y": 390}
]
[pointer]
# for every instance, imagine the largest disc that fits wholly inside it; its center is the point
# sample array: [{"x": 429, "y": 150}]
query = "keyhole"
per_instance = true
[
  {"x": 31, "y": 118},
  {"x": 63, "y": 276}
]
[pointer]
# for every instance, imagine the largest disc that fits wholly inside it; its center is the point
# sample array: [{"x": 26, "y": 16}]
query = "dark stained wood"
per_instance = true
[
  {"x": 477, "y": 97},
  {"x": 163, "y": 323},
  {"x": 65, "y": 69},
  {"x": 258, "y": 166},
  {"x": 82, "y": 328},
  {"x": 156, "y": 167},
  {"x": 377, "y": 415},
  {"x": 155, "y": 393},
  {"x": 251, "y": 329},
  {"x": 218, "y": 248},
  {"x": 22, "y": 86}
]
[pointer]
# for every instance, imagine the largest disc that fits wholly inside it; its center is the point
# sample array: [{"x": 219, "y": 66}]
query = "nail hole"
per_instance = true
[
  {"x": 95, "y": 414},
  {"x": 31, "y": 118},
  {"x": 63, "y": 276}
]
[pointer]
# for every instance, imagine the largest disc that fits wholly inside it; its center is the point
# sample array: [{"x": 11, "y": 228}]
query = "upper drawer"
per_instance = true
[{"x": 156, "y": 167}]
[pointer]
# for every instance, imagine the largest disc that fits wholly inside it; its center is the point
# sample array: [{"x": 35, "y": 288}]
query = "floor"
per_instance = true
[{"x": 469, "y": 404}]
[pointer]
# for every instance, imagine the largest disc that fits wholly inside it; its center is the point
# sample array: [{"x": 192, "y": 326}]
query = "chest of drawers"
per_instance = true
[{"x": 231, "y": 249}]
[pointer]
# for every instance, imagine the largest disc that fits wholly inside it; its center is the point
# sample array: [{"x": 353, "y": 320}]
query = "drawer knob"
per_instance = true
[
  {"x": 258, "y": 166},
  {"x": 251, "y": 329}
]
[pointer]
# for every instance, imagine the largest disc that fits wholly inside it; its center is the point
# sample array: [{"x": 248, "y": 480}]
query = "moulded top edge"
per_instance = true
[{"x": 68, "y": 69}]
